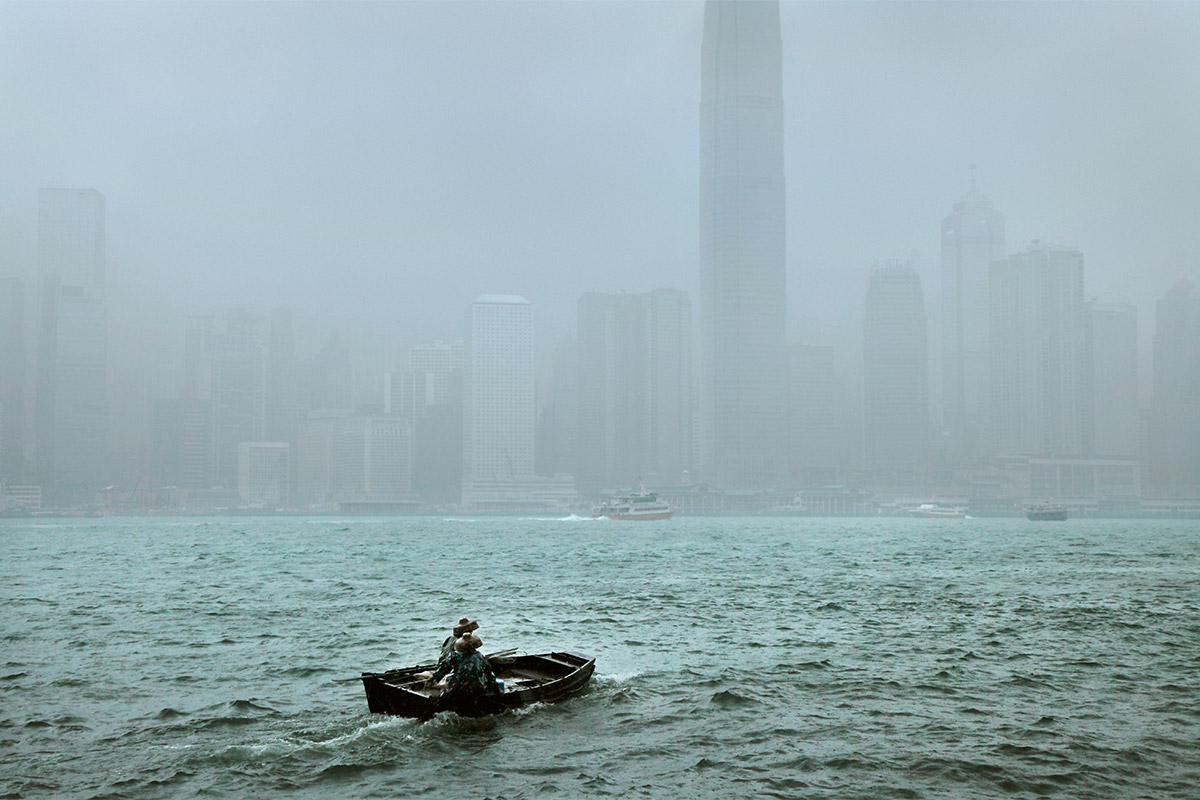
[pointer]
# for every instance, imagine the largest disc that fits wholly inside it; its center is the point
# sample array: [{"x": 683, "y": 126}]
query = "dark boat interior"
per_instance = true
[{"x": 517, "y": 672}]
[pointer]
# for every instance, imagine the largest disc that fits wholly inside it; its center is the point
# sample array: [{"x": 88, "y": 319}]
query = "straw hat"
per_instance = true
[
  {"x": 468, "y": 643},
  {"x": 465, "y": 626}
]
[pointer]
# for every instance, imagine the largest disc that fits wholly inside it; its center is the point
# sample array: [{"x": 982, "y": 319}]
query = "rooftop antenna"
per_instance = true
[{"x": 971, "y": 183}]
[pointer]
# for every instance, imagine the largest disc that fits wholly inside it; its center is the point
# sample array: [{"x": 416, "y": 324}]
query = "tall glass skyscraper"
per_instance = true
[
  {"x": 1038, "y": 335},
  {"x": 742, "y": 365},
  {"x": 972, "y": 238}
]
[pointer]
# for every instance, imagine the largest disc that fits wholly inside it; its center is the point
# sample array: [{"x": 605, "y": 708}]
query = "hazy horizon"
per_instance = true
[{"x": 384, "y": 163}]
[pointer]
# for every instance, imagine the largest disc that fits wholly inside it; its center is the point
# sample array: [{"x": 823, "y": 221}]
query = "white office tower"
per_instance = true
[
  {"x": 498, "y": 389},
  {"x": 895, "y": 370},
  {"x": 1038, "y": 352},
  {"x": 972, "y": 238},
  {"x": 1112, "y": 359},
  {"x": 742, "y": 365}
]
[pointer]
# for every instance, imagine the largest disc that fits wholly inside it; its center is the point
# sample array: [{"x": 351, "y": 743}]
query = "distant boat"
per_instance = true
[
  {"x": 934, "y": 511},
  {"x": 643, "y": 505},
  {"x": 1046, "y": 511}
]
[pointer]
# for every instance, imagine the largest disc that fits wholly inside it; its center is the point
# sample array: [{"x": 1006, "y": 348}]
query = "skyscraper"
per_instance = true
[
  {"x": 283, "y": 385},
  {"x": 1175, "y": 417},
  {"x": 1113, "y": 419},
  {"x": 436, "y": 374},
  {"x": 634, "y": 388},
  {"x": 742, "y": 362},
  {"x": 1038, "y": 352},
  {"x": 972, "y": 238},
  {"x": 330, "y": 377},
  {"x": 71, "y": 409},
  {"x": 435, "y": 404},
  {"x": 225, "y": 396},
  {"x": 558, "y": 421},
  {"x": 895, "y": 369},
  {"x": 498, "y": 389},
  {"x": 12, "y": 379}
]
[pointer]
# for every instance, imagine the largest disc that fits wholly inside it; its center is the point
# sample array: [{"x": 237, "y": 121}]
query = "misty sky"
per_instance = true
[{"x": 389, "y": 161}]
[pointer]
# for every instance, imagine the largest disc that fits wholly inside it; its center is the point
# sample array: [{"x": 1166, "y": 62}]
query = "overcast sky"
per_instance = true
[{"x": 388, "y": 161}]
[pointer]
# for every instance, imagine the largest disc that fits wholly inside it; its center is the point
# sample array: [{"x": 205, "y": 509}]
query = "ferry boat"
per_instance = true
[
  {"x": 934, "y": 511},
  {"x": 639, "y": 506},
  {"x": 1046, "y": 511}
]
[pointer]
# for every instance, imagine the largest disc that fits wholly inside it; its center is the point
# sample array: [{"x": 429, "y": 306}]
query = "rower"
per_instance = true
[
  {"x": 469, "y": 674},
  {"x": 464, "y": 626}
]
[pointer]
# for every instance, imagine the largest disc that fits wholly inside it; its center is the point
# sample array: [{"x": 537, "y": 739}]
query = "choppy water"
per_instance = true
[{"x": 735, "y": 658}]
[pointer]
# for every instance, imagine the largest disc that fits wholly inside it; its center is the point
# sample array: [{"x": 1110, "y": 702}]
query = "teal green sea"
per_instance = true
[{"x": 736, "y": 658}]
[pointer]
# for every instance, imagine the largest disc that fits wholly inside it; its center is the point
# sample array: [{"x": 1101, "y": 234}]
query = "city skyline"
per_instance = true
[
  {"x": 1028, "y": 393},
  {"x": 480, "y": 164}
]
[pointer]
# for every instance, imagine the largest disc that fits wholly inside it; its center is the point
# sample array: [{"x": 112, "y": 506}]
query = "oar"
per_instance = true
[
  {"x": 375, "y": 674},
  {"x": 501, "y": 654},
  {"x": 490, "y": 657}
]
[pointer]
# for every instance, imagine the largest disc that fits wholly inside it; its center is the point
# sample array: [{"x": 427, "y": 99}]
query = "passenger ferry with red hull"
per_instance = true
[{"x": 641, "y": 506}]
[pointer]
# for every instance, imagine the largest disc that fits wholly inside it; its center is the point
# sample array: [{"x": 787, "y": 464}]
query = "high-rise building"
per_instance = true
[
  {"x": 437, "y": 371},
  {"x": 71, "y": 408},
  {"x": 283, "y": 385},
  {"x": 498, "y": 389},
  {"x": 972, "y": 238},
  {"x": 742, "y": 365},
  {"x": 1113, "y": 418},
  {"x": 895, "y": 370},
  {"x": 330, "y": 387},
  {"x": 225, "y": 378},
  {"x": 1175, "y": 408},
  {"x": 434, "y": 403},
  {"x": 264, "y": 470},
  {"x": 634, "y": 388},
  {"x": 354, "y": 459},
  {"x": 372, "y": 456},
  {"x": 670, "y": 347},
  {"x": 318, "y": 446},
  {"x": 558, "y": 421},
  {"x": 12, "y": 380},
  {"x": 1038, "y": 352}
]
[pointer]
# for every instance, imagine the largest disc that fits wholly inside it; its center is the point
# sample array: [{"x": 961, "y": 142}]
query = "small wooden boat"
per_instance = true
[{"x": 543, "y": 678}]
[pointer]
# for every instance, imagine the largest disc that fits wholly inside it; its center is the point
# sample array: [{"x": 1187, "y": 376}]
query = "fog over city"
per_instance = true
[
  {"x": 388, "y": 161},
  {"x": 374, "y": 167}
]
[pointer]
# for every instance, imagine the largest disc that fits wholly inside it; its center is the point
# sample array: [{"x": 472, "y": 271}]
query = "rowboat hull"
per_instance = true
[{"x": 543, "y": 678}]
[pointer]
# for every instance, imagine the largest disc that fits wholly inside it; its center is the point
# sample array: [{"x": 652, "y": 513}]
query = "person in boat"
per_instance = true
[
  {"x": 469, "y": 675},
  {"x": 464, "y": 626}
]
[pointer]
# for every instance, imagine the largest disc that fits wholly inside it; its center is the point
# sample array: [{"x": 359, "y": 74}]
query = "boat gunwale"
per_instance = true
[{"x": 406, "y": 702}]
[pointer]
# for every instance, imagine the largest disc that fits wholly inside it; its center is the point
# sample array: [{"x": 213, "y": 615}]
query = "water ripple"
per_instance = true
[{"x": 736, "y": 658}]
